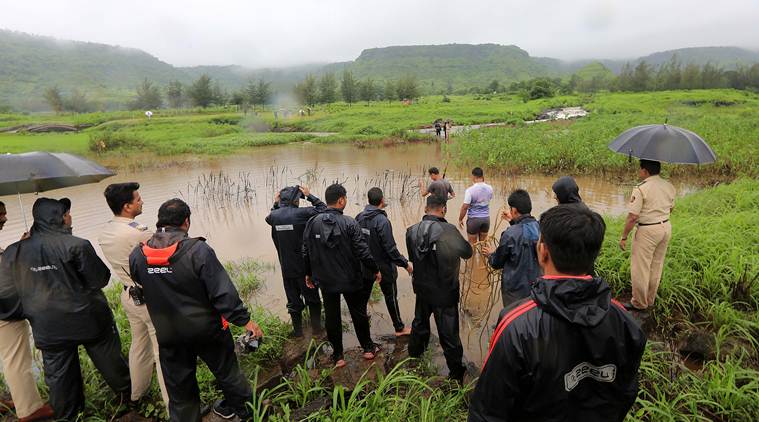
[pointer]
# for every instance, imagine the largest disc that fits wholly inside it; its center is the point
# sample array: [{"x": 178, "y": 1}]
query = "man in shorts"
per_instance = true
[
  {"x": 476, "y": 208},
  {"x": 438, "y": 186}
]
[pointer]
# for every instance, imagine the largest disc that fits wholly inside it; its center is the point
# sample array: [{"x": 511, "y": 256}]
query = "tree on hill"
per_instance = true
[
  {"x": 54, "y": 98},
  {"x": 148, "y": 96},
  {"x": 327, "y": 88},
  {"x": 307, "y": 91},
  {"x": 78, "y": 102},
  {"x": 367, "y": 90},
  {"x": 408, "y": 88},
  {"x": 669, "y": 74},
  {"x": 494, "y": 86},
  {"x": 348, "y": 87},
  {"x": 201, "y": 91},
  {"x": 389, "y": 92},
  {"x": 641, "y": 77},
  {"x": 219, "y": 95},
  {"x": 691, "y": 77},
  {"x": 175, "y": 94},
  {"x": 263, "y": 93}
]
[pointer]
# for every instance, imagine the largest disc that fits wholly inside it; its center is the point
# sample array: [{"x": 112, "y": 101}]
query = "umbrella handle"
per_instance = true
[{"x": 21, "y": 205}]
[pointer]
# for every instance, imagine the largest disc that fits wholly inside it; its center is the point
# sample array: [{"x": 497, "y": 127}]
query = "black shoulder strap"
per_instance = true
[{"x": 190, "y": 243}]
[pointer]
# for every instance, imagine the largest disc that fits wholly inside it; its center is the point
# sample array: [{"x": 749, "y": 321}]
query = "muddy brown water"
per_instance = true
[{"x": 232, "y": 218}]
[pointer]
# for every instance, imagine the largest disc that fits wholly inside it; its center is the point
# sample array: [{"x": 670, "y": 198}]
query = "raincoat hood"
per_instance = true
[
  {"x": 48, "y": 216},
  {"x": 289, "y": 196},
  {"x": 567, "y": 191},
  {"x": 427, "y": 234},
  {"x": 583, "y": 300},
  {"x": 330, "y": 229},
  {"x": 370, "y": 211},
  {"x": 166, "y": 236}
]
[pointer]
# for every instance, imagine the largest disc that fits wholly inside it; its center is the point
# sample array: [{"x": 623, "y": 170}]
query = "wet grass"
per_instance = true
[
  {"x": 581, "y": 146},
  {"x": 710, "y": 288}
]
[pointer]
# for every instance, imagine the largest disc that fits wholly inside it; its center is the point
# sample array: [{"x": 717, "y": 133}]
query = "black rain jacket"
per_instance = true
[
  {"x": 436, "y": 248},
  {"x": 378, "y": 233},
  {"x": 517, "y": 255},
  {"x": 567, "y": 191},
  {"x": 334, "y": 251},
  {"x": 55, "y": 280},
  {"x": 287, "y": 222},
  {"x": 187, "y": 294},
  {"x": 567, "y": 353}
]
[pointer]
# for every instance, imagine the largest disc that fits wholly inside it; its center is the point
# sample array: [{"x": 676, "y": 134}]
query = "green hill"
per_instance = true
[
  {"x": 439, "y": 68},
  {"x": 108, "y": 75}
]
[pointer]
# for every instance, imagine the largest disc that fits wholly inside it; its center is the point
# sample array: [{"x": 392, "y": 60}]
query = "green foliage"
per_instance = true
[
  {"x": 54, "y": 99},
  {"x": 175, "y": 95},
  {"x": 307, "y": 91},
  {"x": 148, "y": 96},
  {"x": 201, "y": 92},
  {"x": 327, "y": 88},
  {"x": 407, "y": 88},
  {"x": 349, "y": 87}
]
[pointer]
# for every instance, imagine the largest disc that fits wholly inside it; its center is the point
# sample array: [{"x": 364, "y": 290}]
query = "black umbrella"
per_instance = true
[
  {"x": 42, "y": 171},
  {"x": 670, "y": 144}
]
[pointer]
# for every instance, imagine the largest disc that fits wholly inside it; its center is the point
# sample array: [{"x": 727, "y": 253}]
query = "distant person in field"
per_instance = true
[
  {"x": 516, "y": 254},
  {"x": 438, "y": 128},
  {"x": 438, "y": 185},
  {"x": 569, "y": 351},
  {"x": 149, "y": 114},
  {"x": 651, "y": 203},
  {"x": 476, "y": 207},
  {"x": 566, "y": 191}
]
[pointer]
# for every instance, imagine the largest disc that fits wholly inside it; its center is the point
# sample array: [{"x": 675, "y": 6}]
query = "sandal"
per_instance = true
[{"x": 370, "y": 355}]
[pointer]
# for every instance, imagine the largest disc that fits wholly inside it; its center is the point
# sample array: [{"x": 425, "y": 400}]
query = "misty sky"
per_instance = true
[{"x": 259, "y": 33}]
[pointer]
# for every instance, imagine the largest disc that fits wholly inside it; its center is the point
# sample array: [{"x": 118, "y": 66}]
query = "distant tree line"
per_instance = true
[
  {"x": 326, "y": 89},
  {"x": 203, "y": 92}
]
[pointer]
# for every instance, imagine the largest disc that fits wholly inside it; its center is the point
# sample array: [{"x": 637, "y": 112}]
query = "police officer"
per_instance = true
[
  {"x": 334, "y": 251},
  {"x": 651, "y": 203},
  {"x": 287, "y": 221},
  {"x": 378, "y": 233},
  {"x": 436, "y": 248},
  {"x": 16, "y": 355},
  {"x": 117, "y": 240},
  {"x": 191, "y": 300}
]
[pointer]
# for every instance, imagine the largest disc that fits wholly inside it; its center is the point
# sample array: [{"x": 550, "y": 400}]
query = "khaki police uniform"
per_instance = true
[
  {"x": 652, "y": 201},
  {"x": 117, "y": 240},
  {"x": 16, "y": 358}
]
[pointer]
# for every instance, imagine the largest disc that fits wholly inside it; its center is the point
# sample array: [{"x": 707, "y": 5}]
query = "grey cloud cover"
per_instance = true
[{"x": 280, "y": 33}]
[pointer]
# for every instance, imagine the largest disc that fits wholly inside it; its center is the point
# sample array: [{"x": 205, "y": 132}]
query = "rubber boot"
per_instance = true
[
  {"x": 297, "y": 325},
  {"x": 316, "y": 318}
]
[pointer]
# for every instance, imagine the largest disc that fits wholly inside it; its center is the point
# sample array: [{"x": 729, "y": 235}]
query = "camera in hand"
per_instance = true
[
  {"x": 248, "y": 342},
  {"x": 135, "y": 292}
]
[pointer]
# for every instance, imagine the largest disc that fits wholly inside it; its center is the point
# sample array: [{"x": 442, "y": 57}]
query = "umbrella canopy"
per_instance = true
[
  {"x": 670, "y": 144},
  {"x": 42, "y": 171}
]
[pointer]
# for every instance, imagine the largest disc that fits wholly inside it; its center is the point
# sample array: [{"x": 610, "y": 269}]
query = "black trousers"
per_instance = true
[
  {"x": 389, "y": 286},
  {"x": 299, "y": 295},
  {"x": 179, "y": 363},
  {"x": 447, "y": 321},
  {"x": 357, "y": 302},
  {"x": 63, "y": 374}
]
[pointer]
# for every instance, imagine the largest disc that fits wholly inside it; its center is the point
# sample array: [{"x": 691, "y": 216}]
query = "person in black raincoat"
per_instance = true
[
  {"x": 569, "y": 352},
  {"x": 566, "y": 190},
  {"x": 191, "y": 301},
  {"x": 516, "y": 254},
  {"x": 378, "y": 233},
  {"x": 287, "y": 221},
  {"x": 436, "y": 248},
  {"x": 59, "y": 279},
  {"x": 334, "y": 251}
]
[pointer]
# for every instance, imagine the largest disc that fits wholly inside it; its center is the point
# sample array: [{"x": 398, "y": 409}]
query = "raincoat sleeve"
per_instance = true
[
  {"x": 304, "y": 248},
  {"x": 462, "y": 246},
  {"x": 504, "y": 251},
  {"x": 221, "y": 291},
  {"x": 318, "y": 205},
  {"x": 387, "y": 241},
  {"x": 497, "y": 390},
  {"x": 10, "y": 303},
  {"x": 360, "y": 247},
  {"x": 90, "y": 267},
  {"x": 409, "y": 245}
]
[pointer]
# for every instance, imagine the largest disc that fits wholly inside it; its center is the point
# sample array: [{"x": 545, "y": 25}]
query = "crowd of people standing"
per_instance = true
[{"x": 562, "y": 349}]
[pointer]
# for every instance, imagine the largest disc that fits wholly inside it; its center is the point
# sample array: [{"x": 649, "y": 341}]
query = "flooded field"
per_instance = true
[{"x": 231, "y": 196}]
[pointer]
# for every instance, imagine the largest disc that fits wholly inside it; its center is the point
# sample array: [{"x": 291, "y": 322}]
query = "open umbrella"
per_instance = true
[
  {"x": 670, "y": 144},
  {"x": 42, "y": 171}
]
